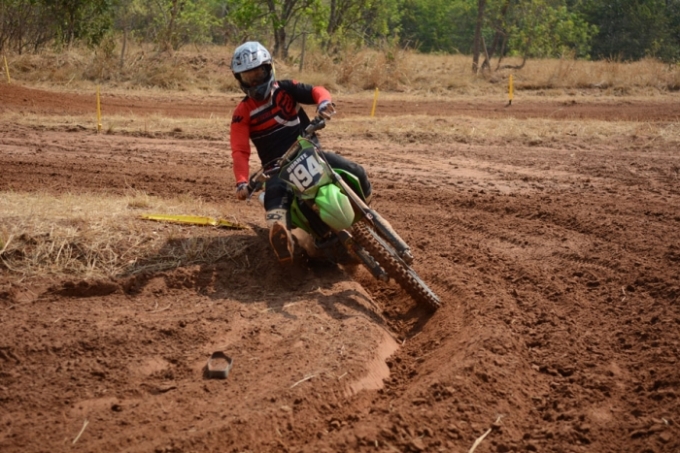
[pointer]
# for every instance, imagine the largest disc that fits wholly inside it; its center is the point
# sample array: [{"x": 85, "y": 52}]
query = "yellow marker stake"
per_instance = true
[
  {"x": 99, "y": 112},
  {"x": 194, "y": 220},
  {"x": 510, "y": 90},
  {"x": 6, "y": 69},
  {"x": 375, "y": 102}
]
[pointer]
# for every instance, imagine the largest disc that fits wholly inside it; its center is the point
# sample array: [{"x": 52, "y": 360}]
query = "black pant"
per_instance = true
[{"x": 278, "y": 195}]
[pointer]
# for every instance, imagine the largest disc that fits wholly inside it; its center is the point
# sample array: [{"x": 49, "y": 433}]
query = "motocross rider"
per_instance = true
[{"x": 271, "y": 117}]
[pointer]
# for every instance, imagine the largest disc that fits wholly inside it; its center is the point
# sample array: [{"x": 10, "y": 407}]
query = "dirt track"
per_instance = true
[{"x": 558, "y": 265}]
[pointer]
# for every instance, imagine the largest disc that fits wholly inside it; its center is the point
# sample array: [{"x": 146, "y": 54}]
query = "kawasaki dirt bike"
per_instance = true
[{"x": 328, "y": 204}]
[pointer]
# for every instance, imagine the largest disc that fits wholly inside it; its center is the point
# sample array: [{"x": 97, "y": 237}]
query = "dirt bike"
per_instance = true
[{"x": 329, "y": 205}]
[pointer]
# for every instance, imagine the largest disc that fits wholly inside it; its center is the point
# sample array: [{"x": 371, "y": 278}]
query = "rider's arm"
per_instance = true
[
  {"x": 304, "y": 93},
  {"x": 239, "y": 138}
]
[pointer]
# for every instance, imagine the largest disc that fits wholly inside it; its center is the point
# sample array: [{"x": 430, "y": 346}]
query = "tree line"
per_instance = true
[{"x": 622, "y": 30}]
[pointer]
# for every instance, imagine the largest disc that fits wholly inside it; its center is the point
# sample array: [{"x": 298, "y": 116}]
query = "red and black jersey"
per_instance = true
[{"x": 272, "y": 125}]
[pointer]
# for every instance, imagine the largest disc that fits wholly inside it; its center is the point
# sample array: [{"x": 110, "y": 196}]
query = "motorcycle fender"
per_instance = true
[{"x": 335, "y": 209}]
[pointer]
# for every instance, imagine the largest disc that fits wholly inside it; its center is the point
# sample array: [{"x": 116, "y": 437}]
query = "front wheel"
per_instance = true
[{"x": 395, "y": 267}]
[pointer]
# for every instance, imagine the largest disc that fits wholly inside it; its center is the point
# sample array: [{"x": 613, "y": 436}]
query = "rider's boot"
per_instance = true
[{"x": 280, "y": 237}]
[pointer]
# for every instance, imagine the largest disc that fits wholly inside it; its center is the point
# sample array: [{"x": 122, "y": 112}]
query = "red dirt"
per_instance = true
[
  {"x": 558, "y": 265},
  {"x": 41, "y": 102}
]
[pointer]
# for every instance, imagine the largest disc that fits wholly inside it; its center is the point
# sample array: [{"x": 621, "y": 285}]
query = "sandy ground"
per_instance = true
[{"x": 558, "y": 264}]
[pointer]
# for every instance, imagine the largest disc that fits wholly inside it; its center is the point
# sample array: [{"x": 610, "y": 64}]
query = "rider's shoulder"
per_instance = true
[
  {"x": 291, "y": 84},
  {"x": 286, "y": 84}
]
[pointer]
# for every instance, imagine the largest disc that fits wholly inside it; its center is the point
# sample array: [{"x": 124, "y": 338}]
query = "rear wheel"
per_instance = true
[{"x": 395, "y": 267}]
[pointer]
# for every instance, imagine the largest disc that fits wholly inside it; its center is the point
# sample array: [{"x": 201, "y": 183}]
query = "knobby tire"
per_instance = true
[{"x": 403, "y": 274}]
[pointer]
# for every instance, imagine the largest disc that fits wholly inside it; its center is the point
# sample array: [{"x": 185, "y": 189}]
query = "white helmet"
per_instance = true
[{"x": 249, "y": 56}]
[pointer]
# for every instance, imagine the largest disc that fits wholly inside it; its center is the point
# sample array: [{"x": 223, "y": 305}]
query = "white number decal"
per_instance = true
[
  {"x": 295, "y": 181},
  {"x": 313, "y": 164},
  {"x": 303, "y": 175}
]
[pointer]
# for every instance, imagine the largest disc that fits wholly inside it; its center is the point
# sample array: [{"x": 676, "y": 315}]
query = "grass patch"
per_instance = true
[
  {"x": 422, "y": 129},
  {"x": 408, "y": 128},
  {"x": 92, "y": 236},
  {"x": 207, "y": 69}
]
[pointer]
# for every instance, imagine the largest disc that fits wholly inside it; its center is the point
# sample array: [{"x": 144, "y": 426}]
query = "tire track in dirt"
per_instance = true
[{"x": 586, "y": 387}]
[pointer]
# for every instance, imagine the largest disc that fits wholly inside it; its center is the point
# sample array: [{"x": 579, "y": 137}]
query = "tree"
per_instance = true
[
  {"x": 500, "y": 35},
  {"x": 477, "y": 42},
  {"x": 439, "y": 25},
  {"x": 530, "y": 28},
  {"x": 339, "y": 13},
  {"x": 359, "y": 21},
  {"x": 671, "y": 51},
  {"x": 546, "y": 28},
  {"x": 171, "y": 24},
  {"x": 24, "y": 25},
  {"x": 633, "y": 29},
  {"x": 284, "y": 16},
  {"x": 32, "y": 24},
  {"x": 241, "y": 19},
  {"x": 87, "y": 20}
]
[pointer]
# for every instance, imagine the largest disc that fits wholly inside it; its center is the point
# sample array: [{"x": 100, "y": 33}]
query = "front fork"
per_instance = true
[
  {"x": 376, "y": 221},
  {"x": 370, "y": 263}
]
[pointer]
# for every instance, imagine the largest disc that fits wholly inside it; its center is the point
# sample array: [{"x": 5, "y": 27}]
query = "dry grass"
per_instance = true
[
  {"x": 207, "y": 70},
  {"x": 482, "y": 131},
  {"x": 155, "y": 125},
  {"x": 351, "y": 71},
  {"x": 93, "y": 236},
  {"x": 474, "y": 130}
]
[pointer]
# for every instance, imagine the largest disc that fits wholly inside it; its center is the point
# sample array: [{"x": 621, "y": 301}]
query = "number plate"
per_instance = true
[{"x": 304, "y": 172}]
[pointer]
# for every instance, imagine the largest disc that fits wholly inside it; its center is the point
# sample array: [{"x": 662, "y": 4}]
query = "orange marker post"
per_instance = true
[
  {"x": 4, "y": 58},
  {"x": 99, "y": 112},
  {"x": 375, "y": 101}
]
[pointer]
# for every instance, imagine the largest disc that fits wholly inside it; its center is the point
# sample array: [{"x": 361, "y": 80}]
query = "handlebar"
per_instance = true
[
  {"x": 318, "y": 123},
  {"x": 258, "y": 178}
]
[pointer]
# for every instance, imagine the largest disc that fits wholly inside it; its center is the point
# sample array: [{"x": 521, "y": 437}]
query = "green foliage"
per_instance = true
[
  {"x": 439, "y": 25},
  {"x": 81, "y": 20},
  {"x": 195, "y": 23},
  {"x": 634, "y": 29},
  {"x": 243, "y": 19},
  {"x": 618, "y": 29},
  {"x": 170, "y": 23},
  {"x": 380, "y": 21},
  {"x": 671, "y": 51},
  {"x": 20, "y": 24},
  {"x": 545, "y": 29},
  {"x": 539, "y": 28},
  {"x": 32, "y": 24},
  {"x": 339, "y": 24},
  {"x": 280, "y": 21}
]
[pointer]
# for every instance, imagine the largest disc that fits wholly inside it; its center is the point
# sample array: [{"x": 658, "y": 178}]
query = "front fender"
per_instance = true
[{"x": 335, "y": 209}]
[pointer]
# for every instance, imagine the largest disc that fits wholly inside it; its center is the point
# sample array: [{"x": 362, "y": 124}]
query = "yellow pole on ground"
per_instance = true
[
  {"x": 99, "y": 112},
  {"x": 4, "y": 58},
  {"x": 510, "y": 90},
  {"x": 375, "y": 101}
]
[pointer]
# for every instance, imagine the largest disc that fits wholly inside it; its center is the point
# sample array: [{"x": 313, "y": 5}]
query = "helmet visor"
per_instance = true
[{"x": 254, "y": 77}]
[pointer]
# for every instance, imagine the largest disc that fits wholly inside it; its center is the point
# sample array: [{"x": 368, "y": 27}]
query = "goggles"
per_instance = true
[{"x": 254, "y": 77}]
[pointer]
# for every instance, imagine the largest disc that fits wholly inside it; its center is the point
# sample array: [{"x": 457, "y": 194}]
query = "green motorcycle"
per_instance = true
[{"x": 328, "y": 205}]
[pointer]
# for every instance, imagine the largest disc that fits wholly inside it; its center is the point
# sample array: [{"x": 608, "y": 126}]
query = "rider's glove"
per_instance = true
[
  {"x": 242, "y": 191},
  {"x": 326, "y": 109}
]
